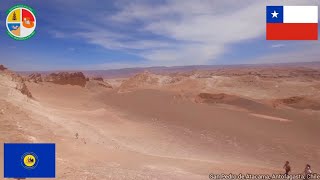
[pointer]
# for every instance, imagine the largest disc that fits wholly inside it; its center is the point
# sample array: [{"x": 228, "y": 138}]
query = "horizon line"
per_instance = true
[{"x": 168, "y": 67}]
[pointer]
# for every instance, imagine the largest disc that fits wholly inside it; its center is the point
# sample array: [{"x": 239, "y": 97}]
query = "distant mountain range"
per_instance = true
[{"x": 127, "y": 72}]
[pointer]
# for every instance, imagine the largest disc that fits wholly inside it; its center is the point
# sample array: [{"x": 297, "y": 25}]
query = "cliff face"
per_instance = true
[
  {"x": 76, "y": 78},
  {"x": 10, "y": 79},
  {"x": 2, "y": 67}
]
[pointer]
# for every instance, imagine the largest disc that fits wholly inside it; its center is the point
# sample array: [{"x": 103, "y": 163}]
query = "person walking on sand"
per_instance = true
[
  {"x": 307, "y": 172},
  {"x": 287, "y": 168}
]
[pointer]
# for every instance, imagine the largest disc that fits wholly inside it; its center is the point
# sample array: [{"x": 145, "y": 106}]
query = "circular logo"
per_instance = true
[
  {"x": 29, "y": 160},
  {"x": 21, "y": 22}
]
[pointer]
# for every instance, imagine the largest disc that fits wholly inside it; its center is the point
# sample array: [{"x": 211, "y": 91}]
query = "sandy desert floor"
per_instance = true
[{"x": 156, "y": 131}]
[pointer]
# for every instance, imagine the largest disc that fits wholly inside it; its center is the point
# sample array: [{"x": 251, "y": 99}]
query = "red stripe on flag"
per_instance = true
[{"x": 292, "y": 31}]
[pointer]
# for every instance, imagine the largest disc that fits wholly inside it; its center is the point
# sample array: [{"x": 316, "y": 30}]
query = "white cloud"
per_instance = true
[
  {"x": 277, "y": 45},
  {"x": 110, "y": 65},
  {"x": 111, "y": 40},
  {"x": 197, "y": 31},
  {"x": 185, "y": 55},
  {"x": 191, "y": 32},
  {"x": 57, "y": 34}
]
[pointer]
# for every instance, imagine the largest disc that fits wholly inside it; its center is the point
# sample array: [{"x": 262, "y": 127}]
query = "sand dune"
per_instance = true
[{"x": 171, "y": 126}]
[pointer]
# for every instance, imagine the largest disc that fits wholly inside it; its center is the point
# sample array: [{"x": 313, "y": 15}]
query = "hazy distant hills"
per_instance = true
[{"x": 127, "y": 72}]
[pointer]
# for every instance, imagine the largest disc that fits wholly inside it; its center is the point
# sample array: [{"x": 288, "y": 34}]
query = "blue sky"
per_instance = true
[{"x": 92, "y": 34}]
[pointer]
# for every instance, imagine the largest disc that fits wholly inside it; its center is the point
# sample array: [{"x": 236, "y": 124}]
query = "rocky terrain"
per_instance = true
[
  {"x": 273, "y": 84},
  {"x": 299, "y": 102},
  {"x": 69, "y": 78},
  {"x": 63, "y": 78},
  {"x": 180, "y": 125},
  {"x": 35, "y": 77},
  {"x": 11, "y": 80},
  {"x": 2, "y": 68},
  {"x": 96, "y": 83}
]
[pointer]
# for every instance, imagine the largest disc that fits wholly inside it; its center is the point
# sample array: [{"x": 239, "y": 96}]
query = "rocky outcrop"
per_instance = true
[
  {"x": 149, "y": 81},
  {"x": 63, "y": 78},
  {"x": 96, "y": 84},
  {"x": 2, "y": 68},
  {"x": 291, "y": 100},
  {"x": 298, "y": 102},
  {"x": 35, "y": 77},
  {"x": 97, "y": 79},
  {"x": 24, "y": 89},
  {"x": 214, "y": 98},
  {"x": 12, "y": 80},
  {"x": 145, "y": 79},
  {"x": 228, "y": 99},
  {"x": 104, "y": 85}
]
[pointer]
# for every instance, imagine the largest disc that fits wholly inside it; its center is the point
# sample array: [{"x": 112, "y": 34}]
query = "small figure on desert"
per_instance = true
[
  {"x": 307, "y": 172},
  {"x": 287, "y": 168}
]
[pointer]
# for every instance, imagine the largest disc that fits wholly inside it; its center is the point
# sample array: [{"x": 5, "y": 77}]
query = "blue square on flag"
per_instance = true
[
  {"x": 29, "y": 160},
  {"x": 274, "y": 14}
]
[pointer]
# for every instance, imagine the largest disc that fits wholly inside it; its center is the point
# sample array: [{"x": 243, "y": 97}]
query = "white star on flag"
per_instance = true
[{"x": 274, "y": 14}]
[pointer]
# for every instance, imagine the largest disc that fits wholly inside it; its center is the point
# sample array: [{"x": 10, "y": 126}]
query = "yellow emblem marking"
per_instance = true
[{"x": 29, "y": 160}]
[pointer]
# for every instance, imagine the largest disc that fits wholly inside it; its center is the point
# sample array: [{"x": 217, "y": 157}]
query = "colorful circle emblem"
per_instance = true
[
  {"x": 21, "y": 22},
  {"x": 29, "y": 160}
]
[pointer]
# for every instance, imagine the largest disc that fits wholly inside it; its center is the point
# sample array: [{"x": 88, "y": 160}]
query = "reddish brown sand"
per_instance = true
[{"x": 168, "y": 126}]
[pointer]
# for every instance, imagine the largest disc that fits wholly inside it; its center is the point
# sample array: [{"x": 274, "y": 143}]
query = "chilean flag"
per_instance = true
[{"x": 292, "y": 22}]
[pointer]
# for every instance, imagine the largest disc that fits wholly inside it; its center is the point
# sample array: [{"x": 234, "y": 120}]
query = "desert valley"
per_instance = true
[{"x": 167, "y": 125}]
